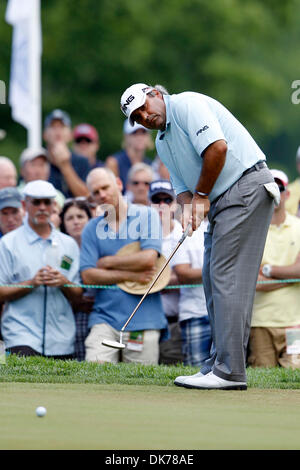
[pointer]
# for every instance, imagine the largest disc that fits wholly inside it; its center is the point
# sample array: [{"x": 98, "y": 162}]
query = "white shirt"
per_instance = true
[
  {"x": 192, "y": 303},
  {"x": 170, "y": 300}
]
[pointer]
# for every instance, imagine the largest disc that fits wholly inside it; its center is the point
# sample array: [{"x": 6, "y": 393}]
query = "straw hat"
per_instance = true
[{"x": 138, "y": 288}]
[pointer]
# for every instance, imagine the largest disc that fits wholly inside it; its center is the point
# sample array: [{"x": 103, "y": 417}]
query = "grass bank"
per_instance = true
[{"x": 41, "y": 370}]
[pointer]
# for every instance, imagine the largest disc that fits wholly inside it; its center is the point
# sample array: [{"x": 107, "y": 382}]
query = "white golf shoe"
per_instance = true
[
  {"x": 179, "y": 381},
  {"x": 213, "y": 382}
]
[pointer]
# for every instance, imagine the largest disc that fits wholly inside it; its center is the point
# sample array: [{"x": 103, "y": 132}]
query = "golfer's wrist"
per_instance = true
[{"x": 201, "y": 194}]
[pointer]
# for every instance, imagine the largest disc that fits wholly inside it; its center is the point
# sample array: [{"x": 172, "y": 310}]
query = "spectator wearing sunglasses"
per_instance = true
[
  {"x": 187, "y": 266},
  {"x": 276, "y": 304},
  {"x": 87, "y": 144},
  {"x": 140, "y": 177},
  {"x": 38, "y": 317},
  {"x": 136, "y": 141},
  {"x": 162, "y": 198}
]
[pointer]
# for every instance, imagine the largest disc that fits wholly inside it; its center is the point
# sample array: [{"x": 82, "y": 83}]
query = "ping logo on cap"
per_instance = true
[{"x": 127, "y": 103}]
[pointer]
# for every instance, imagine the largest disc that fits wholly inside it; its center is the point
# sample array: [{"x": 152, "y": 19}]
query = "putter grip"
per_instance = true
[{"x": 185, "y": 233}]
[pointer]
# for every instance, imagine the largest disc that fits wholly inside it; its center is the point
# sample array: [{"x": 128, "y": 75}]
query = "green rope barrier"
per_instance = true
[{"x": 91, "y": 286}]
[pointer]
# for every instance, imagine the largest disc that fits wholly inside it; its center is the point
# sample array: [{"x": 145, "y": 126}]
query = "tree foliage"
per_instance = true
[{"x": 242, "y": 52}]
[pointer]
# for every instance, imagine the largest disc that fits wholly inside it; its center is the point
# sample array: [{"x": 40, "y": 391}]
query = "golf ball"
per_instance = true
[{"x": 41, "y": 411}]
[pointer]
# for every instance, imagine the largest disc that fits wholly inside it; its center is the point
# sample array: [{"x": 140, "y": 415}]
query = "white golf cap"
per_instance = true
[
  {"x": 129, "y": 129},
  {"x": 281, "y": 176},
  {"x": 30, "y": 154},
  {"x": 133, "y": 98},
  {"x": 40, "y": 189}
]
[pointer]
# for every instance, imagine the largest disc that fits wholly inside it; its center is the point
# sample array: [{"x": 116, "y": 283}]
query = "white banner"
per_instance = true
[{"x": 24, "y": 89}]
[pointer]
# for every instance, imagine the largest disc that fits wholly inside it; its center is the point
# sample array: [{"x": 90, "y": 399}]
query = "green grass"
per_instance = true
[
  {"x": 41, "y": 370},
  {"x": 131, "y": 406}
]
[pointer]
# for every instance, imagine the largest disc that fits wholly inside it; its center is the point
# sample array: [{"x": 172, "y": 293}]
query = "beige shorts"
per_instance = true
[
  {"x": 267, "y": 348},
  {"x": 97, "y": 352}
]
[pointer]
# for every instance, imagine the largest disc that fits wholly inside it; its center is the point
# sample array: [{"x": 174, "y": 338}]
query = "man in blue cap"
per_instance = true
[
  {"x": 68, "y": 170},
  {"x": 11, "y": 212}
]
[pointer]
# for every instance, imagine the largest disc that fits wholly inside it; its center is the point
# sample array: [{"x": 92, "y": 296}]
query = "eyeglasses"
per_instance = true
[
  {"x": 145, "y": 183},
  {"x": 38, "y": 202},
  {"x": 159, "y": 199},
  {"x": 83, "y": 139}
]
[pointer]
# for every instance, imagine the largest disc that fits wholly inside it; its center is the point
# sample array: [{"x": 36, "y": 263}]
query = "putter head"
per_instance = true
[{"x": 113, "y": 344}]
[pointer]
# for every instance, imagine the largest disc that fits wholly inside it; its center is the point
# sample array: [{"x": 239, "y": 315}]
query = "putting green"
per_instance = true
[{"x": 146, "y": 417}]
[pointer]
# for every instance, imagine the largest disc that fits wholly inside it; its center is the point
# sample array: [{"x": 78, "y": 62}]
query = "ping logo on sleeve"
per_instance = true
[
  {"x": 202, "y": 130},
  {"x": 66, "y": 262}
]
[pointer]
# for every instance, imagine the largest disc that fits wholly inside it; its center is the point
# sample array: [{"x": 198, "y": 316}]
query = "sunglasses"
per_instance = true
[
  {"x": 89, "y": 202},
  {"x": 158, "y": 200},
  {"x": 135, "y": 183},
  {"x": 38, "y": 202},
  {"x": 83, "y": 139},
  {"x": 281, "y": 188}
]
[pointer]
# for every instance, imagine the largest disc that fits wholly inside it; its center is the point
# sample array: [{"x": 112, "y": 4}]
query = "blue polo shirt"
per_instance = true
[
  {"x": 114, "y": 306},
  {"x": 23, "y": 252},
  {"x": 193, "y": 122},
  {"x": 80, "y": 165}
]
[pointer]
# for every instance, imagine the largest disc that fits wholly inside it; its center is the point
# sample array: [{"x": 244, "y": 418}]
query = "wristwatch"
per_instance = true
[
  {"x": 200, "y": 193},
  {"x": 266, "y": 270}
]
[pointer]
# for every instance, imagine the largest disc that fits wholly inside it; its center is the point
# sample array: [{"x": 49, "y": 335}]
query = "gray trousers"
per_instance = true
[{"x": 238, "y": 224}]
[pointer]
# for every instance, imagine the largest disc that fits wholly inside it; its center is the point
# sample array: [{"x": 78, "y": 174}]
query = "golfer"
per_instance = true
[{"x": 218, "y": 170}]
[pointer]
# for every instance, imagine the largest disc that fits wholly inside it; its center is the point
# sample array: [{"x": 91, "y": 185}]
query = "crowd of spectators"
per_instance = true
[{"x": 82, "y": 238}]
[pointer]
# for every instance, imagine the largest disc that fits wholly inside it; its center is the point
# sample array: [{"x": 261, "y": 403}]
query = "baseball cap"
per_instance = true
[
  {"x": 281, "y": 176},
  {"x": 39, "y": 189},
  {"x": 161, "y": 186},
  {"x": 60, "y": 115},
  {"x": 134, "y": 97},
  {"x": 10, "y": 197},
  {"x": 30, "y": 154},
  {"x": 86, "y": 130},
  {"x": 129, "y": 129}
]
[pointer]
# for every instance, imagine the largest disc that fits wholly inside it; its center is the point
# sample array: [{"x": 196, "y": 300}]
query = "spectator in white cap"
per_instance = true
[
  {"x": 276, "y": 305},
  {"x": 8, "y": 173},
  {"x": 136, "y": 141},
  {"x": 293, "y": 202},
  {"x": 68, "y": 171},
  {"x": 87, "y": 144},
  {"x": 38, "y": 320},
  {"x": 11, "y": 212}
]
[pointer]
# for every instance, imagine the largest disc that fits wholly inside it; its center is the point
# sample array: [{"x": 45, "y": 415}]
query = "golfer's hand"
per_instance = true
[{"x": 200, "y": 209}]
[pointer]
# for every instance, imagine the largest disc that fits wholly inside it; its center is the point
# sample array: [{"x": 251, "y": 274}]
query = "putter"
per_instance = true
[{"x": 120, "y": 345}]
